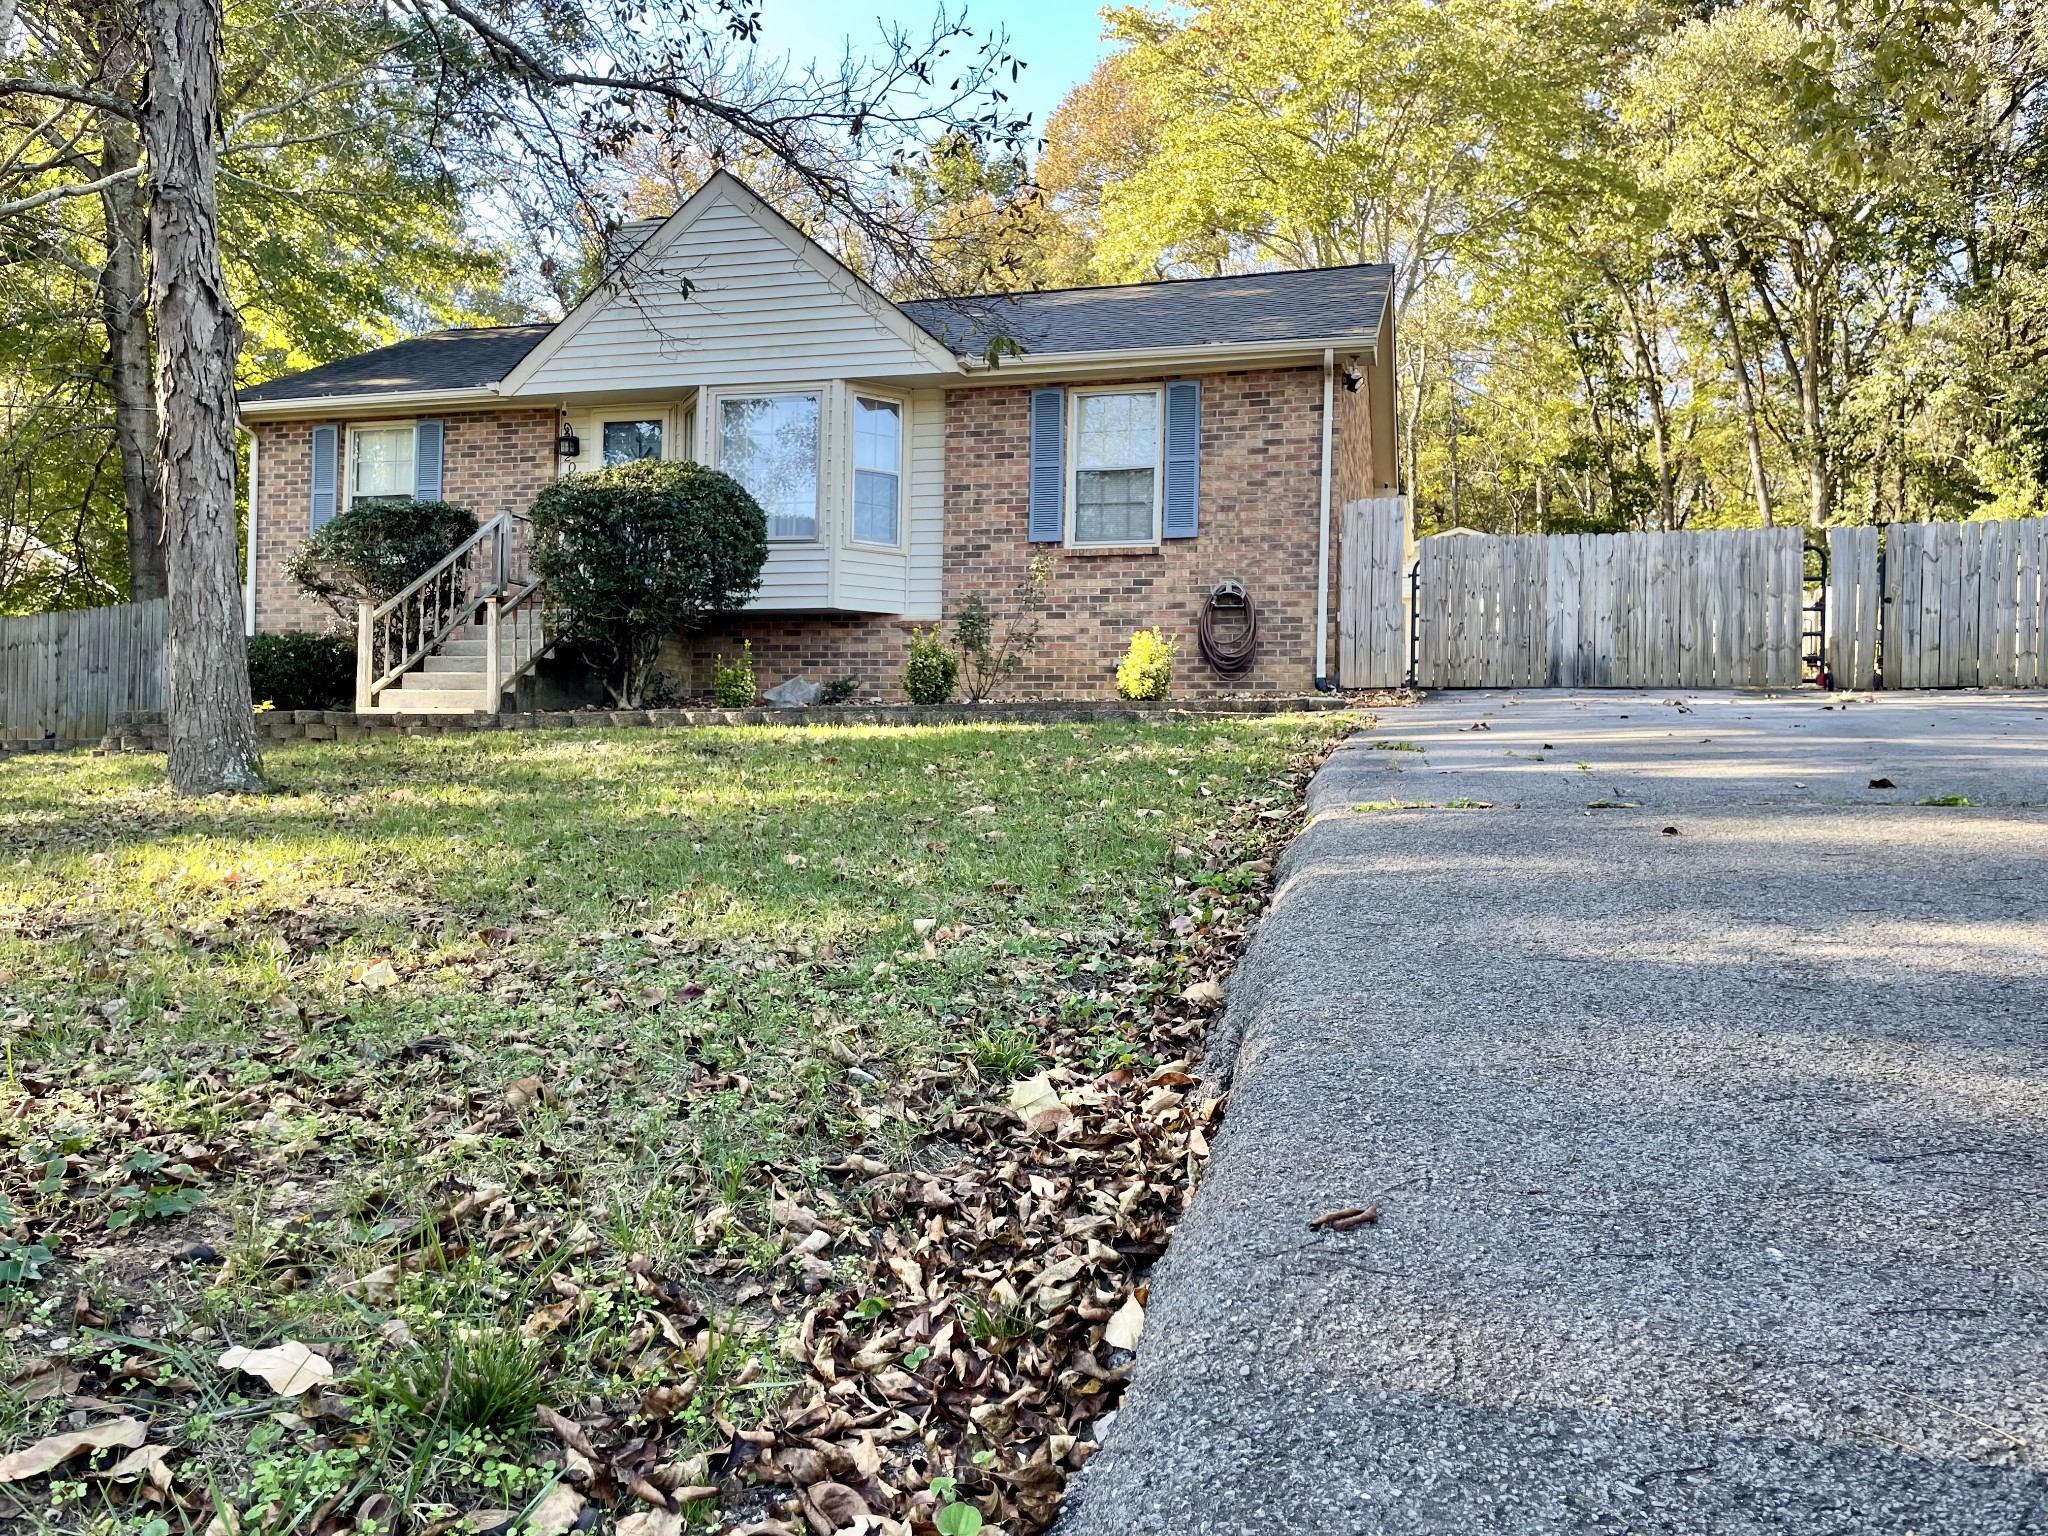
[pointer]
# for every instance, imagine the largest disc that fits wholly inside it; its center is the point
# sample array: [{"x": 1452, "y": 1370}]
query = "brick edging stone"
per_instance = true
[{"x": 145, "y": 731}]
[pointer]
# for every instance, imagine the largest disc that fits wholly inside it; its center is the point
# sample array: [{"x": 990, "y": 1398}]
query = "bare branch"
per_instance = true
[
  {"x": 57, "y": 91},
  {"x": 55, "y": 194}
]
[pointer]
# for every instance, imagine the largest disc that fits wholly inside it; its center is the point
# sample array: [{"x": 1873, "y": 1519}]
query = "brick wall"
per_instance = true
[
  {"x": 493, "y": 461},
  {"x": 1260, "y": 494},
  {"x": 870, "y": 647}
]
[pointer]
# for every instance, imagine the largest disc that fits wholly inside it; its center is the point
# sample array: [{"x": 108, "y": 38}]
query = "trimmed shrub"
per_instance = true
[
  {"x": 640, "y": 552},
  {"x": 839, "y": 690},
  {"x": 933, "y": 669},
  {"x": 1146, "y": 672},
  {"x": 303, "y": 671},
  {"x": 376, "y": 549},
  {"x": 732, "y": 682}
]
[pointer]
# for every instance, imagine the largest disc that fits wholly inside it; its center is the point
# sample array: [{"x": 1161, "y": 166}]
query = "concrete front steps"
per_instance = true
[{"x": 451, "y": 680}]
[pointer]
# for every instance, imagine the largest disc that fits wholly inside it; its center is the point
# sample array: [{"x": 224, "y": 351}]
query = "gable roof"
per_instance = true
[
  {"x": 759, "y": 272},
  {"x": 1258, "y": 309},
  {"x": 464, "y": 359}
]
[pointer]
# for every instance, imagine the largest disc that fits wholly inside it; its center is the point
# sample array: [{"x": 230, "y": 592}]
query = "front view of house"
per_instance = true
[{"x": 1162, "y": 444}]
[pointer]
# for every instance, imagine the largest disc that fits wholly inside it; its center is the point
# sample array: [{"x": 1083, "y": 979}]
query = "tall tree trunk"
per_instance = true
[
  {"x": 213, "y": 733},
  {"x": 1745, "y": 398},
  {"x": 124, "y": 307}
]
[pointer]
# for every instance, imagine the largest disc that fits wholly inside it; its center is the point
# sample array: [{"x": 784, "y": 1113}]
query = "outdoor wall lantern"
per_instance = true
[{"x": 569, "y": 445}]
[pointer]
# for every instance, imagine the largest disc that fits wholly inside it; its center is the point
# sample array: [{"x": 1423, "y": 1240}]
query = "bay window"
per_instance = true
[
  {"x": 877, "y": 470},
  {"x": 769, "y": 443},
  {"x": 1116, "y": 467}
]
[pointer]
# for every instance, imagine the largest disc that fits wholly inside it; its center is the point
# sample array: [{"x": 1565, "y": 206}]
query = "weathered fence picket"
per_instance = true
[
  {"x": 1628, "y": 610},
  {"x": 1372, "y": 585},
  {"x": 63, "y": 674},
  {"x": 1964, "y": 605}
]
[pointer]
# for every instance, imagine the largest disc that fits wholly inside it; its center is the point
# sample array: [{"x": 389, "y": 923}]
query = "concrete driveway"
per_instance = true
[{"x": 1702, "y": 1089}]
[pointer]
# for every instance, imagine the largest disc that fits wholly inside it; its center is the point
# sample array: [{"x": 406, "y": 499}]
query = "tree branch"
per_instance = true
[
  {"x": 57, "y": 91},
  {"x": 69, "y": 189}
]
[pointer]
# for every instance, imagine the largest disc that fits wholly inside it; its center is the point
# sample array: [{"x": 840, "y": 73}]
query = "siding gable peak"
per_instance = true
[{"x": 726, "y": 291}]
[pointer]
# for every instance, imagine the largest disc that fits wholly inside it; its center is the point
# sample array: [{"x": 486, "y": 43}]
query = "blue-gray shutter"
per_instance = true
[
  {"x": 1048, "y": 466},
  {"x": 1183, "y": 491},
  {"x": 426, "y": 461},
  {"x": 326, "y": 474}
]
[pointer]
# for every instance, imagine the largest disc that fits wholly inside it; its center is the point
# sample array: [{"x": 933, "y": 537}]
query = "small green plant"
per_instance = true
[
  {"x": 952, "y": 1517},
  {"x": 839, "y": 690},
  {"x": 21, "y": 1264},
  {"x": 933, "y": 668},
  {"x": 487, "y": 1381},
  {"x": 1146, "y": 672},
  {"x": 732, "y": 683},
  {"x": 1398, "y": 746},
  {"x": 1002, "y": 1055},
  {"x": 1946, "y": 800},
  {"x": 988, "y": 660}
]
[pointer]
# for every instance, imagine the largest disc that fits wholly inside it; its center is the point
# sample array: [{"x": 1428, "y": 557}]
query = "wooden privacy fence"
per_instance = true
[
  {"x": 1372, "y": 586},
  {"x": 63, "y": 674},
  {"x": 1958, "y": 605},
  {"x": 1620, "y": 610}
]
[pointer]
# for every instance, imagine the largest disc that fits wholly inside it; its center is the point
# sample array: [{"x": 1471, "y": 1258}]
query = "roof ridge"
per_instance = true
[{"x": 1157, "y": 282}]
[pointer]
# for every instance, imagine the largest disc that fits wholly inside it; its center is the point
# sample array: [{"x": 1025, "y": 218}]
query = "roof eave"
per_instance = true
[
  {"x": 1033, "y": 365},
  {"x": 301, "y": 406}
]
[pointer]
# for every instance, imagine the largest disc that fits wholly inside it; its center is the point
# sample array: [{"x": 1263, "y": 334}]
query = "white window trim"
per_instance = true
[
  {"x": 347, "y": 475},
  {"x": 902, "y": 404},
  {"x": 1072, "y": 497},
  {"x": 714, "y": 440}
]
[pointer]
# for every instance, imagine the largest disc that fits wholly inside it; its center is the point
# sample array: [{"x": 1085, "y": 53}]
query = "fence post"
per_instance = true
[
  {"x": 364, "y": 661},
  {"x": 492, "y": 670}
]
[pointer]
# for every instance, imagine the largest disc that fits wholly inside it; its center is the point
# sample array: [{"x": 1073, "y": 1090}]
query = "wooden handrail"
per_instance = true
[{"x": 496, "y": 526}]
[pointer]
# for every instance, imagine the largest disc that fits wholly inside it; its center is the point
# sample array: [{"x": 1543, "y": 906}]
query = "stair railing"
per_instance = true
[{"x": 395, "y": 636}]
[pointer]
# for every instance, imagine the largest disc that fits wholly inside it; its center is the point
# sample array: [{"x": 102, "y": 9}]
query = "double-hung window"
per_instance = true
[
  {"x": 1116, "y": 467},
  {"x": 380, "y": 463},
  {"x": 877, "y": 470},
  {"x": 769, "y": 443}
]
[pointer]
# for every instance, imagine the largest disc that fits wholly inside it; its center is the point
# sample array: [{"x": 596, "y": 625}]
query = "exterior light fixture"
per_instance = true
[{"x": 568, "y": 445}]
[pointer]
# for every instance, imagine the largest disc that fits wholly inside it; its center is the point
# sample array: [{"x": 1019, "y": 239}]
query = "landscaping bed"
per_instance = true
[{"x": 742, "y": 1128}]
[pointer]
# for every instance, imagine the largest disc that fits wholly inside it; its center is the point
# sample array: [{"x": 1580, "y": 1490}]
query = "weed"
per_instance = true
[
  {"x": 1002, "y": 1054},
  {"x": 1946, "y": 800},
  {"x": 1398, "y": 746},
  {"x": 485, "y": 1380}
]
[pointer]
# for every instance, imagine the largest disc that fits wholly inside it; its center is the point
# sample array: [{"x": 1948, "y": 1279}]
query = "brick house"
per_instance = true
[{"x": 1164, "y": 445}]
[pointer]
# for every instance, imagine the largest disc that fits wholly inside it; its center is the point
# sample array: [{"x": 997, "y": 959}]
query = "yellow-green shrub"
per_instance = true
[{"x": 1146, "y": 672}]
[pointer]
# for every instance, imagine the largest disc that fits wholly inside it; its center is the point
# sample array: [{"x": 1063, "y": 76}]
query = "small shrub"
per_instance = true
[
  {"x": 641, "y": 551},
  {"x": 303, "y": 671},
  {"x": 839, "y": 690},
  {"x": 1146, "y": 672},
  {"x": 488, "y": 1381},
  {"x": 732, "y": 683},
  {"x": 933, "y": 669},
  {"x": 374, "y": 550},
  {"x": 989, "y": 660}
]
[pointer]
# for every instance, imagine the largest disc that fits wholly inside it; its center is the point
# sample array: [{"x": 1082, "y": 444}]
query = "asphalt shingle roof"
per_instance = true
[
  {"x": 460, "y": 359},
  {"x": 1260, "y": 308},
  {"x": 1257, "y": 308}
]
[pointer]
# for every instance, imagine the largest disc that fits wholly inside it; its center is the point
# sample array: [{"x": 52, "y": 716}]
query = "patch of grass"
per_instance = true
[
  {"x": 622, "y": 994},
  {"x": 1398, "y": 746},
  {"x": 1945, "y": 800}
]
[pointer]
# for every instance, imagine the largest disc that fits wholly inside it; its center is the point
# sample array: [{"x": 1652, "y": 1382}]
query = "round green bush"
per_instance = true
[
  {"x": 933, "y": 668},
  {"x": 640, "y": 552},
  {"x": 376, "y": 549}
]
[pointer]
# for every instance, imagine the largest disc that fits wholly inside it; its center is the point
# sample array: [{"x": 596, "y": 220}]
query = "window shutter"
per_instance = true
[
  {"x": 426, "y": 461},
  {"x": 1048, "y": 465},
  {"x": 1183, "y": 488},
  {"x": 326, "y": 474}
]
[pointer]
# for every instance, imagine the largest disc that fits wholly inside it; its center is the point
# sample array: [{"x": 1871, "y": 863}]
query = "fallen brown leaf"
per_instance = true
[{"x": 55, "y": 1450}]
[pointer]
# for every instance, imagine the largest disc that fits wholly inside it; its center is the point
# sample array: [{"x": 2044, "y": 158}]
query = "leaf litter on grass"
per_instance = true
[{"x": 928, "y": 1322}]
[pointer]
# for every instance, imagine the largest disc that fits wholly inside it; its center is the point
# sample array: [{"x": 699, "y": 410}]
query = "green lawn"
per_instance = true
[{"x": 609, "y": 1069}]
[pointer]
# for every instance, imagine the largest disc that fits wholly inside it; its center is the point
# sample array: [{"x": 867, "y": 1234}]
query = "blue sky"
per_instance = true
[{"x": 1060, "y": 40}]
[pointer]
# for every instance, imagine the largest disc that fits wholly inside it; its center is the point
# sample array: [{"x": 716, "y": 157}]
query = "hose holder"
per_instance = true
[{"x": 1229, "y": 609}]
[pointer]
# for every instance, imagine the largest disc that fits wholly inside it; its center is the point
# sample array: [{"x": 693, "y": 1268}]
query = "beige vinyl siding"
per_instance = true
[
  {"x": 796, "y": 577},
  {"x": 925, "y": 503},
  {"x": 757, "y": 313}
]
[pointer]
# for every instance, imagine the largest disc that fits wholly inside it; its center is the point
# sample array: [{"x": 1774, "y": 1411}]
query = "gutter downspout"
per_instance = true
[
  {"x": 1323, "y": 684},
  {"x": 249, "y": 577}
]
